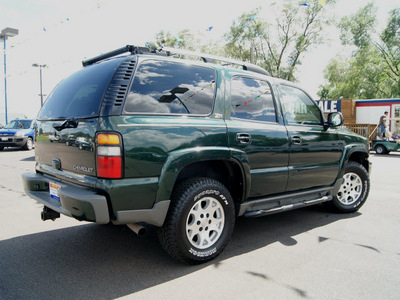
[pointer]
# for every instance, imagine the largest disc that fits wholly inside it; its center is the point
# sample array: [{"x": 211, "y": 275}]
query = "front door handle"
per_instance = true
[
  {"x": 243, "y": 138},
  {"x": 296, "y": 140}
]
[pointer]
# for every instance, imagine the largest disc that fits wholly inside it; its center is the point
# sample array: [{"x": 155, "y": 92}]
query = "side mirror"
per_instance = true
[{"x": 335, "y": 119}]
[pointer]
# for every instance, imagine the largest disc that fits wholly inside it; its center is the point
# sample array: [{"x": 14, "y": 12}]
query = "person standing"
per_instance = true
[{"x": 382, "y": 125}]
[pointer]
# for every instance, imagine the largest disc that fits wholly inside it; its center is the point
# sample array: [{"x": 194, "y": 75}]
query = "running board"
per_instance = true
[{"x": 264, "y": 212}]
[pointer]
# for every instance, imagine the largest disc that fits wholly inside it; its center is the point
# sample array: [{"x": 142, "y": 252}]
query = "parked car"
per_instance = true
[
  {"x": 84, "y": 143},
  {"x": 385, "y": 146},
  {"x": 188, "y": 146},
  {"x": 18, "y": 133}
]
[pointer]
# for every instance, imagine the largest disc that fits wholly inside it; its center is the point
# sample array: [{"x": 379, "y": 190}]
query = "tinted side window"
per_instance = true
[
  {"x": 298, "y": 107},
  {"x": 252, "y": 99},
  {"x": 164, "y": 87}
]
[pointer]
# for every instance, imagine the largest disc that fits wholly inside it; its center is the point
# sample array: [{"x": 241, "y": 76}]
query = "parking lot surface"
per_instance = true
[{"x": 303, "y": 254}]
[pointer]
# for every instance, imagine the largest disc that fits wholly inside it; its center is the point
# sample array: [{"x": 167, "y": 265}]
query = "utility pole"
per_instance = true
[{"x": 41, "y": 85}]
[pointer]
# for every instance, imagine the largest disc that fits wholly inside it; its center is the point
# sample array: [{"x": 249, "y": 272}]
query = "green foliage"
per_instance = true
[
  {"x": 187, "y": 40},
  {"x": 353, "y": 78},
  {"x": 391, "y": 36},
  {"x": 358, "y": 28},
  {"x": 373, "y": 70},
  {"x": 242, "y": 35},
  {"x": 389, "y": 47},
  {"x": 183, "y": 40},
  {"x": 279, "y": 43}
]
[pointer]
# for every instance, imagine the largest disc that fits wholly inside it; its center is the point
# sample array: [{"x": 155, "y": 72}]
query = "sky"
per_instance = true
[{"x": 62, "y": 33}]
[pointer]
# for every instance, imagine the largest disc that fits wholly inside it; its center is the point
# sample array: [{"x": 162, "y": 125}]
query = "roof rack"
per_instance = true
[
  {"x": 128, "y": 48},
  {"x": 212, "y": 58},
  {"x": 208, "y": 58}
]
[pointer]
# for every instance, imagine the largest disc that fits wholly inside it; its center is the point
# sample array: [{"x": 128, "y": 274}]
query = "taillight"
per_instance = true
[{"x": 109, "y": 155}]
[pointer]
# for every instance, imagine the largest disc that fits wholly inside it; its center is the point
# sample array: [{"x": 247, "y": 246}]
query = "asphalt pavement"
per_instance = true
[{"x": 303, "y": 254}]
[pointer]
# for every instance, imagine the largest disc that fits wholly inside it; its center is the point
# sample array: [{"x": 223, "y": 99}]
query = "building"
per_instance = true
[{"x": 362, "y": 116}]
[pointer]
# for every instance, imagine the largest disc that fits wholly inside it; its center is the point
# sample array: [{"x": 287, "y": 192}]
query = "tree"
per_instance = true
[
  {"x": 353, "y": 77},
  {"x": 389, "y": 48},
  {"x": 278, "y": 46},
  {"x": 373, "y": 70},
  {"x": 183, "y": 40},
  {"x": 357, "y": 29},
  {"x": 188, "y": 40}
]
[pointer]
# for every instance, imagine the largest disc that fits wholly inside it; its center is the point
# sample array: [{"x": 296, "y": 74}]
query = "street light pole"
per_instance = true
[
  {"x": 41, "y": 90},
  {"x": 5, "y": 79},
  {"x": 5, "y": 33}
]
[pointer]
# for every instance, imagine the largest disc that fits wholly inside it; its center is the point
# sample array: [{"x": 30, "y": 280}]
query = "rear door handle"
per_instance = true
[
  {"x": 243, "y": 138},
  {"x": 296, "y": 140}
]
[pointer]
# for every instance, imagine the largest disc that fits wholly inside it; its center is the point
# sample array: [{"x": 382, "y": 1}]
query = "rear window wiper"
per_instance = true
[{"x": 69, "y": 123}]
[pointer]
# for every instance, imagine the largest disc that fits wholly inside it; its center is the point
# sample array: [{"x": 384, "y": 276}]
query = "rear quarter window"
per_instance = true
[{"x": 164, "y": 87}]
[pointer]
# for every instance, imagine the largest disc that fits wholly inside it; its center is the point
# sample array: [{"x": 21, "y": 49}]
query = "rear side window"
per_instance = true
[
  {"x": 79, "y": 95},
  {"x": 251, "y": 99},
  {"x": 164, "y": 87}
]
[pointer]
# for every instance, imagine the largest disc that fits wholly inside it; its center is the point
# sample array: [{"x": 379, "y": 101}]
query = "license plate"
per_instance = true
[
  {"x": 4, "y": 138},
  {"x": 54, "y": 188}
]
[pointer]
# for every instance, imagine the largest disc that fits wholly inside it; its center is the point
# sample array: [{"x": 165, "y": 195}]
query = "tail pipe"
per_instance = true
[{"x": 137, "y": 228}]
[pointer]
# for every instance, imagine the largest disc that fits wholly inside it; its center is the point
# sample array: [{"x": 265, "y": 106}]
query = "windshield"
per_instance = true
[
  {"x": 19, "y": 124},
  {"x": 80, "y": 95}
]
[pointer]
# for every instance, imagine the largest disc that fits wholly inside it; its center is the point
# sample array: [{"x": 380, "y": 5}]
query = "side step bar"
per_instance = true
[{"x": 264, "y": 212}]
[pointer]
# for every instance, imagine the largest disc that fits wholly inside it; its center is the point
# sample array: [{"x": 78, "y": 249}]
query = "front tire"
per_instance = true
[
  {"x": 29, "y": 144},
  {"x": 200, "y": 221},
  {"x": 354, "y": 190}
]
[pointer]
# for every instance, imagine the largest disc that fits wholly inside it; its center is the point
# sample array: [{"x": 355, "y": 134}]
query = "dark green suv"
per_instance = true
[{"x": 188, "y": 146}]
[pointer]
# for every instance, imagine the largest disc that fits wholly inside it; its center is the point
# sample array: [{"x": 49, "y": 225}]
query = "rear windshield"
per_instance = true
[{"x": 80, "y": 95}]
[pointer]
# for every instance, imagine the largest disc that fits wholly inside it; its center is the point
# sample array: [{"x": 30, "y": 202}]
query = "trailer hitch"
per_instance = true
[{"x": 49, "y": 214}]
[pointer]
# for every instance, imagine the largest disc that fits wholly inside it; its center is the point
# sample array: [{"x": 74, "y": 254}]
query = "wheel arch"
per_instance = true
[
  {"x": 361, "y": 158},
  {"x": 356, "y": 153},
  {"x": 226, "y": 172},
  {"x": 212, "y": 163}
]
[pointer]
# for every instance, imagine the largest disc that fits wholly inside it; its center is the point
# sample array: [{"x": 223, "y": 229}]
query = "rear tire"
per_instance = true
[
  {"x": 200, "y": 221},
  {"x": 354, "y": 191},
  {"x": 380, "y": 149}
]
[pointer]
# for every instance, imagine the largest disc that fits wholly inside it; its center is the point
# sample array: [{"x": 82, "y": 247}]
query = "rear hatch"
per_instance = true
[{"x": 68, "y": 121}]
